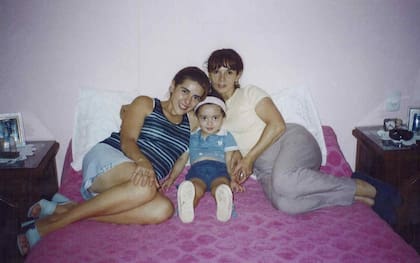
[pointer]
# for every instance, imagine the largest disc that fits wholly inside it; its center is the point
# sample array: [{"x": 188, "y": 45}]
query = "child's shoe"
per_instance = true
[
  {"x": 224, "y": 200},
  {"x": 186, "y": 194}
]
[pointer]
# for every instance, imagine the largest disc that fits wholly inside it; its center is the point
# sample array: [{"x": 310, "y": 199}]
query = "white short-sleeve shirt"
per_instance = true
[{"x": 242, "y": 120}]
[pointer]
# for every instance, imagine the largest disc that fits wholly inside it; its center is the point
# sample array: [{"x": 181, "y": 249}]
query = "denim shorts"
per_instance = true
[
  {"x": 100, "y": 159},
  {"x": 207, "y": 171}
]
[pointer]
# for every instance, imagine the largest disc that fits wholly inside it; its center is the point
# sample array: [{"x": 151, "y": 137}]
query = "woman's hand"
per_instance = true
[
  {"x": 234, "y": 158},
  {"x": 244, "y": 169},
  {"x": 176, "y": 170},
  {"x": 144, "y": 176}
]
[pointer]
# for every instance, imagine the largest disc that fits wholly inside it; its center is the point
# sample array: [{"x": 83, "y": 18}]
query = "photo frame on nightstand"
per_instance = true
[
  {"x": 12, "y": 124},
  {"x": 414, "y": 119}
]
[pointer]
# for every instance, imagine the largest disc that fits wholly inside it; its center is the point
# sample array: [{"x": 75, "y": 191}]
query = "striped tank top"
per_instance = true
[{"x": 161, "y": 141}]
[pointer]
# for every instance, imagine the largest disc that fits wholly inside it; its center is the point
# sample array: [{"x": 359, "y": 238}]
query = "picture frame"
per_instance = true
[
  {"x": 390, "y": 124},
  {"x": 13, "y": 123},
  {"x": 414, "y": 119}
]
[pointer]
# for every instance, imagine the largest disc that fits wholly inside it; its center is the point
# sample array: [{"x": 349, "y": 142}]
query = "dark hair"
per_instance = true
[
  {"x": 225, "y": 57},
  {"x": 194, "y": 74},
  {"x": 215, "y": 93}
]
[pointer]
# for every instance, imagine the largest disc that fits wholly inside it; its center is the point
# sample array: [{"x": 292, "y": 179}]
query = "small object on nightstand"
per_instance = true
[
  {"x": 9, "y": 155},
  {"x": 400, "y": 134},
  {"x": 398, "y": 138},
  {"x": 390, "y": 124},
  {"x": 8, "y": 148},
  {"x": 19, "y": 155}
]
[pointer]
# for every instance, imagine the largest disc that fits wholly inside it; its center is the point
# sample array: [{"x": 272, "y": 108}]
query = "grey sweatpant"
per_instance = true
[{"x": 289, "y": 174}]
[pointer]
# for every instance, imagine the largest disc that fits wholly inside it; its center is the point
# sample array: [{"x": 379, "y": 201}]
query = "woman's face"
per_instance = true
[
  {"x": 223, "y": 81},
  {"x": 210, "y": 117},
  {"x": 185, "y": 96}
]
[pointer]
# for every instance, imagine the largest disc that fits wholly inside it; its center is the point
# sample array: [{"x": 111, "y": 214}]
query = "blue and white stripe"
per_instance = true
[{"x": 161, "y": 141}]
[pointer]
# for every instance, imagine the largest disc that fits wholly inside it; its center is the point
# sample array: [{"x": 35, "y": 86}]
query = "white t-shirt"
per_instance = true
[{"x": 242, "y": 120}]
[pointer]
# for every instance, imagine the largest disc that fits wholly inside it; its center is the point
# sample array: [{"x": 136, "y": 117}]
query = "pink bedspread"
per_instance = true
[{"x": 256, "y": 233}]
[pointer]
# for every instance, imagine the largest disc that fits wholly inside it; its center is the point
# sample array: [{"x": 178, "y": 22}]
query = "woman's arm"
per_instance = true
[
  {"x": 229, "y": 166},
  {"x": 193, "y": 121},
  {"x": 123, "y": 110},
  {"x": 275, "y": 127},
  {"x": 234, "y": 184},
  {"x": 176, "y": 171},
  {"x": 132, "y": 123}
]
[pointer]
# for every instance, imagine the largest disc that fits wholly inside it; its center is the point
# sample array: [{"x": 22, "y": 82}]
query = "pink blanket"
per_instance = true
[{"x": 256, "y": 233}]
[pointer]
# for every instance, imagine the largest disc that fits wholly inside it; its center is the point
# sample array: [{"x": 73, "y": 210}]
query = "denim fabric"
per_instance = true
[{"x": 207, "y": 171}]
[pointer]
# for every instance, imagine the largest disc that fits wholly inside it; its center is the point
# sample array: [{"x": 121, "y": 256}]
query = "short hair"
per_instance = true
[{"x": 225, "y": 57}]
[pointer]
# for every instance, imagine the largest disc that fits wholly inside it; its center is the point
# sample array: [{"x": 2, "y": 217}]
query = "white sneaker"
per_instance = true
[
  {"x": 224, "y": 201},
  {"x": 186, "y": 194}
]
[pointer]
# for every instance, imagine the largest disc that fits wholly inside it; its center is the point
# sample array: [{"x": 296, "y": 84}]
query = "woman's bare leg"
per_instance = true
[
  {"x": 156, "y": 211},
  {"x": 118, "y": 199},
  {"x": 115, "y": 176},
  {"x": 117, "y": 194}
]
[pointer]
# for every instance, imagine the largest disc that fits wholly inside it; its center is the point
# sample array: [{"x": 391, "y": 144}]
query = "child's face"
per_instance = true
[{"x": 210, "y": 117}]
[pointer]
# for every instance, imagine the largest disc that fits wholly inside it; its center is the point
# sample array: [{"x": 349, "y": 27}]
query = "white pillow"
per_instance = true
[
  {"x": 97, "y": 116},
  {"x": 296, "y": 106}
]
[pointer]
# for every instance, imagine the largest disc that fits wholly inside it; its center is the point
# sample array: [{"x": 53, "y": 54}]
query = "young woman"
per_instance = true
[
  {"x": 121, "y": 174},
  {"x": 284, "y": 157}
]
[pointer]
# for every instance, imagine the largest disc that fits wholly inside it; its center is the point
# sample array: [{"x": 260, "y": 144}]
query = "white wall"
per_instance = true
[
  {"x": 51, "y": 49},
  {"x": 350, "y": 54}
]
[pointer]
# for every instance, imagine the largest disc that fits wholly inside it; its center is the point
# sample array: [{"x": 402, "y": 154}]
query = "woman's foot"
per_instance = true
[
  {"x": 186, "y": 194},
  {"x": 43, "y": 207},
  {"x": 365, "y": 189},
  {"x": 366, "y": 200},
  {"x": 23, "y": 245},
  {"x": 224, "y": 201},
  {"x": 28, "y": 239}
]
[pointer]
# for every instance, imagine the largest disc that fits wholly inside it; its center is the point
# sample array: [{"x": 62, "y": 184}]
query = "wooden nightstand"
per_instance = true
[
  {"x": 399, "y": 166},
  {"x": 22, "y": 184}
]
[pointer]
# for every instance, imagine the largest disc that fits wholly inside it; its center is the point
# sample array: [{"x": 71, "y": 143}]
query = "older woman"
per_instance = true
[{"x": 285, "y": 157}]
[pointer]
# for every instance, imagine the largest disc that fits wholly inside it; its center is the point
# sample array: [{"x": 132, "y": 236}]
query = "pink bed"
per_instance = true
[{"x": 256, "y": 233}]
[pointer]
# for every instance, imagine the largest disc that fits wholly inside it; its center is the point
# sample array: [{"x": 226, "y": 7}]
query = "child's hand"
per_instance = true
[{"x": 236, "y": 187}]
